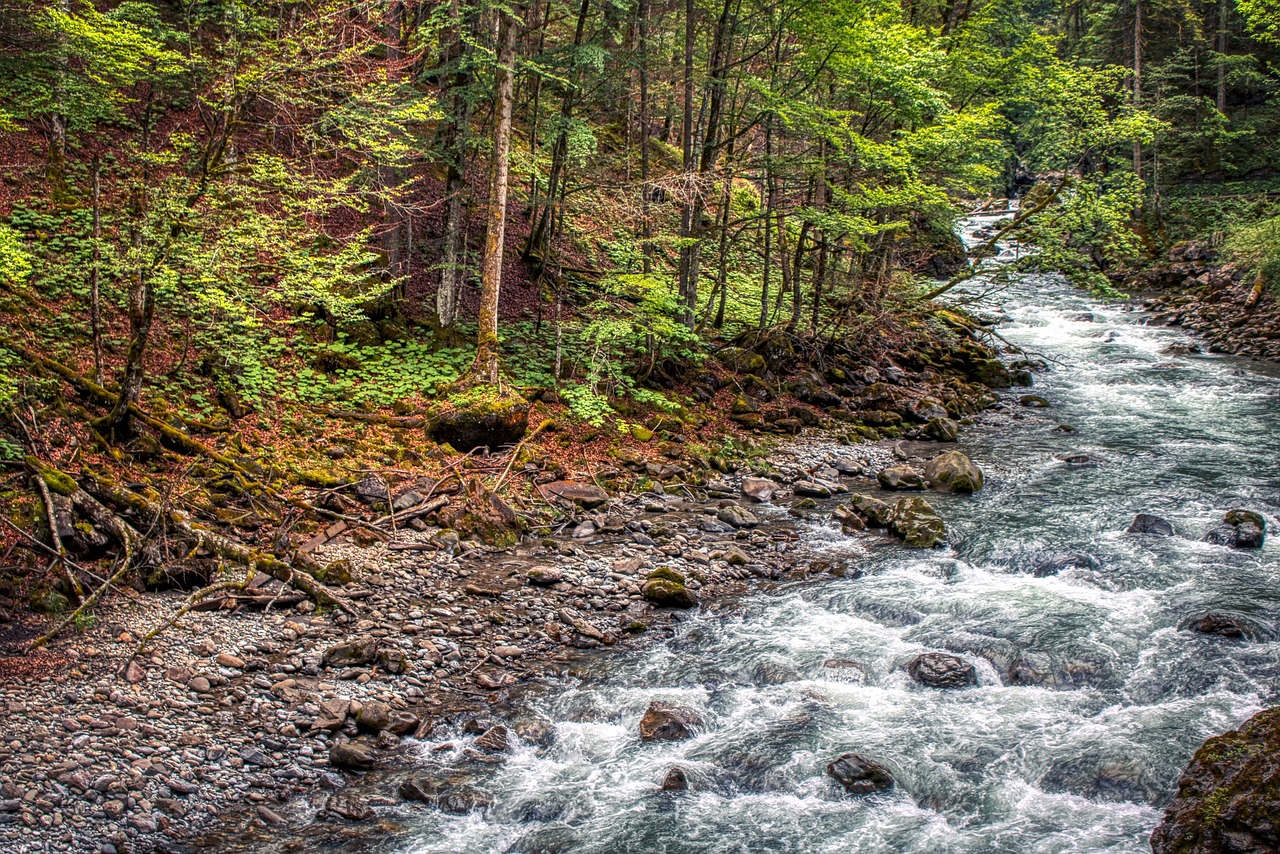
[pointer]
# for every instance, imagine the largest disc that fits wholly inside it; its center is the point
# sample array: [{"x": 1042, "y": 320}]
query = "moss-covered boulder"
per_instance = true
[
  {"x": 992, "y": 373},
  {"x": 1229, "y": 796},
  {"x": 666, "y": 588},
  {"x": 483, "y": 417},
  {"x": 877, "y": 513},
  {"x": 915, "y": 520},
  {"x": 953, "y": 472},
  {"x": 742, "y": 361}
]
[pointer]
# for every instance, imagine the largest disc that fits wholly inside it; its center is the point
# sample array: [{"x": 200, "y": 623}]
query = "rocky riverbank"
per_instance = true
[
  {"x": 1224, "y": 303},
  {"x": 248, "y": 723}
]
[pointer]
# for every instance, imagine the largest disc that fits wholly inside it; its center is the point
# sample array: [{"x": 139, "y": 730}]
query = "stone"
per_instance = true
[
  {"x": 953, "y": 472},
  {"x": 737, "y": 517},
  {"x": 349, "y": 807},
  {"x": 372, "y": 489},
  {"x": 742, "y": 361},
  {"x": 992, "y": 373},
  {"x": 544, "y": 576},
  {"x": 134, "y": 674},
  {"x": 1227, "y": 626},
  {"x": 1067, "y": 560},
  {"x": 1240, "y": 529},
  {"x": 942, "y": 430},
  {"x": 352, "y": 653},
  {"x": 675, "y": 780},
  {"x": 374, "y": 716},
  {"x": 333, "y": 713},
  {"x": 668, "y": 722},
  {"x": 492, "y": 423},
  {"x": 1228, "y": 799},
  {"x": 494, "y": 738},
  {"x": 200, "y": 685},
  {"x": 758, "y": 488},
  {"x": 860, "y": 775},
  {"x": 879, "y": 514},
  {"x": 586, "y": 495},
  {"x": 811, "y": 489},
  {"x": 226, "y": 659},
  {"x": 352, "y": 755},
  {"x": 268, "y": 815},
  {"x": 900, "y": 477},
  {"x": 1033, "y": 401},
  {"x": 1145, "y": 523},
  {"x": 915, "y": 520},
  {"x": 942, "y": 670},
  {"x": 393, "y": 660},
  {"x": 668, "y": 594}
]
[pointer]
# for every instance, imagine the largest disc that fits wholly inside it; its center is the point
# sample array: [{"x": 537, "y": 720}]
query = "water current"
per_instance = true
[{"x": 1082, "y": 759}]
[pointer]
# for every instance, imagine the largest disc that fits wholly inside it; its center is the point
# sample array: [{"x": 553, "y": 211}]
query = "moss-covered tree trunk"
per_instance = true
[{"x": 485, "y": 369}]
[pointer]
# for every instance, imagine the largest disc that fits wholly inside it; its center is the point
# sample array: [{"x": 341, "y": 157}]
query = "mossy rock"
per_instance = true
[
  {"x": 641, "y": 433},
  {"x": 336, "y": 573},
  {"x": 318, "y": 478},
  {"x": 916, "y": 522},
  {"x": 666, "y": 573},
  {"x": 668, "y": 594},
  {"x": 483, "y": 418}
]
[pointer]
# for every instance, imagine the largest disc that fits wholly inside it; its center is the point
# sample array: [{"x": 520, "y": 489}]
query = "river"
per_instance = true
[{"x": 1081, "y": 762}]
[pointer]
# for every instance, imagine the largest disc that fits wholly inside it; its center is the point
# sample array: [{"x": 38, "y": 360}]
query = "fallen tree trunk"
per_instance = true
[{"x": 224, "y": 547}]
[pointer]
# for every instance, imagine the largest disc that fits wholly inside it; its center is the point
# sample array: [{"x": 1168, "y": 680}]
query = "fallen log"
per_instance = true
[{"x": 222, "y": 546}]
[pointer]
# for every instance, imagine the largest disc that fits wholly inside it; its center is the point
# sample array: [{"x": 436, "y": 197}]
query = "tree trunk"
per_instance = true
[
  {"x": 1137, "y": 79},
  {"x": 95, "y": 273},
  {"x": 687, "y": 202},
  {"x": 451, "y": 261},
  {"x": 1222, "y": 57},
  {"x": 642, "y": 15},
  {"x": 485, "y": 369}
]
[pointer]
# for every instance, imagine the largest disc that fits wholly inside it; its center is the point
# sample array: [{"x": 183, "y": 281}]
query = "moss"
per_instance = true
[
  {"x": 47, "y": 601},
  {"x": 317, "y": 478},
  {"x": 665, "y": 573},
  {"x": 63, "y": 484}
]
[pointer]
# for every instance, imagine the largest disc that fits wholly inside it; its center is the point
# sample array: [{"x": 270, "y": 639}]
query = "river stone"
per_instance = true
[
  {"x": 665, "y": 587},
  {"x": 845, "y": 670},
  {"x": 352, "y": 755},
  {"x": 942, "y": 430},
  {"x": 992, "y": 373},
  {"x": 925, "y": 409},
  {"x": 1145, "y": 523},
  {"x": 1221, "y": 535},
  {"x": 900, "y": 477},
  {"x": 676, "y": 780},
  {"x": 333, "y": 713},
  {"x": 544, "y": 576},
  {"x": 860, "y": 775},
  {"x": 1240, "y": 529},
  {"x": 737, "y": 517},
  {"x": 1226, "y": 626},
  {"x": 758, "y": 488},
  {"x": 349, "y": 807},
  {"x": 374, "y": 716},
  {"x": 1228, "y": 799},
  {"x": 953, "y": 472},
  {"x": 877, "y": 513},
  {"x": 352, "y": 653},
  {"x": 668, "y": 722},
  {"x": 916, "y": 522},
  {"x": 942, "y": 670},
  {"x": 810, "y": 489},
  {"x": 1067, "y": 560},
  {"x": 494, "y": 738},
  {"x": 586, "y": 495}
]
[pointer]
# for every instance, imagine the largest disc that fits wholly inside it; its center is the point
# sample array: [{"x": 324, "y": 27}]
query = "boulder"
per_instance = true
[
  {"x": 878, "y": 513},
  {"x": 668, "y": 722},
  {"x": 352, "y": 755},
  {"x": 915, "y": 520},
  {"x": 333, "y": 713},
  {"x": 374, "y": 716},
  {"x": 585, "y": 495},
  {"x": 860, "y": 775},
  {"x": 1228, "y": 799},
  {"x": 393, "y": 661},
  {"x": 758, "y": 488},
  {"x": 1240, "y": 529},
  {"x": 1227, "y": 626},
  {"x": 900, "y": 477},
  {"x": 953, "y": 472},
  {"x": 544, "y": 576},
  {"x": 665, "y": 587},
  {"x": 942, "y": 430},
  {"x": 495, "y": 739},
  {"x": 372, "y": 489},
  {"x": 737, "y": 517},
  {"x": 353, "y": 653},
  {"x": 942, "y": 670},
  {"x": 1145, "y": 523},
  {"x": 811, "y": 489},
  {"x": 492, "y": 420},
  {"x": 741, "y": 361},
  {"x": 676, "y": 780},
  {"x": 924, "y": 410},
  {"x": 992, "y": 373}
]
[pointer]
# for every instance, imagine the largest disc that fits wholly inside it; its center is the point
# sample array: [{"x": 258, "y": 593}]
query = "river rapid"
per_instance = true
[{"x": 1080, "y": 760}]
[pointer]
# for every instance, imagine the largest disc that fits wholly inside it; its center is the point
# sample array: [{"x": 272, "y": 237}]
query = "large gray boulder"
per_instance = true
[{"x": 953, "y": 472}]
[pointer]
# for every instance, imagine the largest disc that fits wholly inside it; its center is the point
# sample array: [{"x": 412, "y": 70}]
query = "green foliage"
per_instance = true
[{"x": 1258, "y": 246}]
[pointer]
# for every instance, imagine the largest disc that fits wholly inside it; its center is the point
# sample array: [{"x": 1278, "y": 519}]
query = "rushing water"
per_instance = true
[{"x": 1082, "y": 763}]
